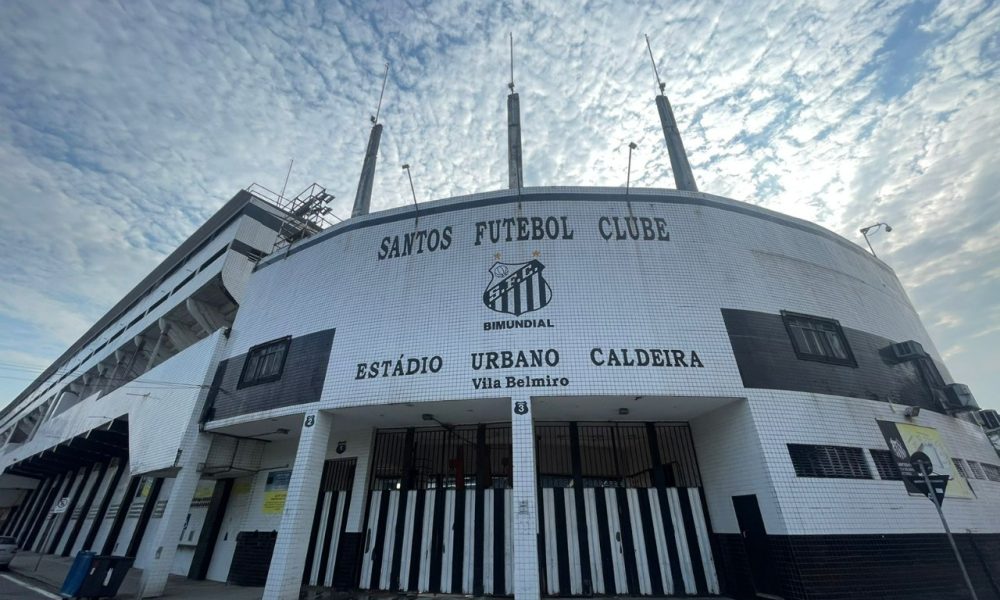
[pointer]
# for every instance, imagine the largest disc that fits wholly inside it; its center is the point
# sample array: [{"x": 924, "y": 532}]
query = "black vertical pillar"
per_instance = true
[
  {"x": 116, "y": 525},
  {"x": 22, "y": 508},
  {"x": 660, "y": 482},
  {"x": 74, "y": 532},
  {"x": 29, "y": 510},
  {"x": 540, "y": 536},
  {"x": 9, "y": 519},
  {"x": 102, "y": 510},
  {"x": 484, "y": 479},
  {"x": 581, "y": 509},
  {"x": 404, "y": 494},
  {"x": 68, "y": 515},
  {"x": 210, "y": 529},
  {"x": 144, "y": 517},
  {"x": 28, "y": 537}
]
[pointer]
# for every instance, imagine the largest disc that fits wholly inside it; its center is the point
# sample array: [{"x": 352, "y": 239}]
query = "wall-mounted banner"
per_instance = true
[
  {"x": 905, "y": 439},
  {"x": 275, "y": 492},
  {"x": 203, "y": 494}
]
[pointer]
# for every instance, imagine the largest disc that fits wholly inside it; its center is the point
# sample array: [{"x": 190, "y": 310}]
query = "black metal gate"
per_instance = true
[
  {"x": 439, "y": 511},
  {"x": 621, "y": 511},
  {"x": 329, "y": 523}
]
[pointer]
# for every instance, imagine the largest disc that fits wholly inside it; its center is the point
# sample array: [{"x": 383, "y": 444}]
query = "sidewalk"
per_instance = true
[{"x": 52, "y": 571}]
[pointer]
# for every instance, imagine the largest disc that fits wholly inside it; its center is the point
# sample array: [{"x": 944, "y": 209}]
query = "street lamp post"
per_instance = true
[
  {"x": 628, "y": 174},
  {"x": 416, "y": 217}
]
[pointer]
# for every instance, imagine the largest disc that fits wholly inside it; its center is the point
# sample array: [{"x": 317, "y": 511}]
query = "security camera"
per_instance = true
[{"x": 911, "y": 411}]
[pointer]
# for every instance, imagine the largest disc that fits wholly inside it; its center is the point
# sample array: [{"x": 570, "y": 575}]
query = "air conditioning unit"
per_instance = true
[
  {"x": 958, "y": 398},
  {"x": 909, "y": 350},
  {"x": 989, "y": 419}
]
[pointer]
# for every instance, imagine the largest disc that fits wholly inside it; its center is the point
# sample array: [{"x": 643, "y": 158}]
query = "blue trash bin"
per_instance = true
[{"x": 77, "y": 574}]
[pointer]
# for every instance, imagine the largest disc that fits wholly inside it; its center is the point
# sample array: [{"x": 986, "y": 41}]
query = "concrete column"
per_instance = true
[
  {"x": 155, "y": 352},
  {"x": 525, "y": 501},
  {"x": 168, "y": 534},
  {"x": 284, "y": 580}
]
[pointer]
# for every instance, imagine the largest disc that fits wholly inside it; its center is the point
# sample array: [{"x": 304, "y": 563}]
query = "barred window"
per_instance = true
[
  {"x": 886, "y": 465},
  {"x": 977, "y": 470},
  {"x": 960, "y": 467},
  {"x": 829, "y": 461},
  {"x": 816, "y": 338},
  {"x": 992, "y": 472},
  {"x": 265, "y": 362}
]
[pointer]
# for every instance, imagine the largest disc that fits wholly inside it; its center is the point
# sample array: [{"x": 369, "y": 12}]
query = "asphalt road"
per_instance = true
[{"x": 13, "y": 588}]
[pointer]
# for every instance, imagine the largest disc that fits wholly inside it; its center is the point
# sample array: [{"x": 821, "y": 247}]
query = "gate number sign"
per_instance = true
[{"x": 61, "y": 506}]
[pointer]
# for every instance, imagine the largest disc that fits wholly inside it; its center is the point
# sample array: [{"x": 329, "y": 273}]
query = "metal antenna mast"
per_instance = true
[
  {"x": 683, "y": 178},
  {"x": 281, "y": 196},
  {"x": 655, "y": 72},
  {"x": 382, "y": 93}
]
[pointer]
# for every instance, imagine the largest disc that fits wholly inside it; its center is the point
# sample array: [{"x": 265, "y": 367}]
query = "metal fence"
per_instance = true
[
  {"x": 458, "y": 457},
  {"x": 615, "y": 454}
]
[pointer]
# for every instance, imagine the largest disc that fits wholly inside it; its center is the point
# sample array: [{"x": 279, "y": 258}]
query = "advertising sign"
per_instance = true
[
  {"x": 906, "y": 439},
  {"x": 275, "y": 492}
]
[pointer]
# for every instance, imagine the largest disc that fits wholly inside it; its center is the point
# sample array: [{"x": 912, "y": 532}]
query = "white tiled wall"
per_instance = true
[
  {"x": 845, "y": 506},
  {"x": 622, "y": 294}
]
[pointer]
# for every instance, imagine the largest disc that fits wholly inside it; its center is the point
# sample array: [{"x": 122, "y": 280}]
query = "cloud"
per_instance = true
[{"x": 122, "y": 127}]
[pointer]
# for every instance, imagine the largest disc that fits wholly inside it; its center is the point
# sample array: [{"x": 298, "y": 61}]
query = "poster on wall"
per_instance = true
[
  {"x": 904, "y": 439},
  {"x": 275, "y": 492},
  {"x": 203, "y": 494}
]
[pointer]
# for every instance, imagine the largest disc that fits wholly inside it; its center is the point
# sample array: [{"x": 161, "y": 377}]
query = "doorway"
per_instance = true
[{"x": 757, "y": 546}]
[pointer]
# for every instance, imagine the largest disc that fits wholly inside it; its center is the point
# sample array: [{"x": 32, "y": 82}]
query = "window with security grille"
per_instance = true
[
  {"x": 816, "y": 338},
  {"x": 829, "y": 461},
  {"x": 992, "y": 472},
  {"x": 960, "y": 467},
  {"x": 265, "y": 362},
  {"x": 886, "y": 465},
  {"x": 977, "y": 469}
]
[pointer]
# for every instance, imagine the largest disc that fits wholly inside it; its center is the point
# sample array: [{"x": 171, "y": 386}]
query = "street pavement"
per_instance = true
[{"x": 13, "y": 587}]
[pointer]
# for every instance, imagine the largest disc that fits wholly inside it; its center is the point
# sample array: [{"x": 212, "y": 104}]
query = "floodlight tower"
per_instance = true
[
  {"x": 683, "y": 177},
  {"x": 514, "y": 167},
  {"x": 363, "y": 198}
]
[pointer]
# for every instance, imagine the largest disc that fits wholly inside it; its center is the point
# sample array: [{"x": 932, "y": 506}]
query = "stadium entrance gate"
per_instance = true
[
  {"x": 439, "y": 511},
  {"x": 329, "y": 523},
  {"x": 621, "y": 511}
]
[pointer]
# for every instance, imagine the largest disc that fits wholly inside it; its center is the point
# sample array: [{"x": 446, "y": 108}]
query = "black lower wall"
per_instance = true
[
  {"x": 841, "y": 567},
  {"x": 252, "y": 558}
]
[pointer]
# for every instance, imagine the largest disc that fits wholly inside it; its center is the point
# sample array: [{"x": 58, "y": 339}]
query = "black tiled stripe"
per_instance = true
[
  {"x": 653, "y": 560},
  {"x": 416, "y": 557},
  {"x": 692, "y": 540},
  {"x": 604, "y": 535},
  {"x": 437, "y": 538},
  {"x": 562, "y": 542},
  {"x": 379, "y": 545}
]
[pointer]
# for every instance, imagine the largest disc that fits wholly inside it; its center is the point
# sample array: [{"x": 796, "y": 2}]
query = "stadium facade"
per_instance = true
[{"x": 531, "y": 392}]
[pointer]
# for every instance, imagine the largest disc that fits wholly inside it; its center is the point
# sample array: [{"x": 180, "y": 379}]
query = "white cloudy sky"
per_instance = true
[{"x": 123, "y": 125}]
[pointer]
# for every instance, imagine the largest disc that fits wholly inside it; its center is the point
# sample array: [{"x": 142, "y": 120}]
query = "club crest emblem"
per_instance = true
[{"x": 517, "y": 288}]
